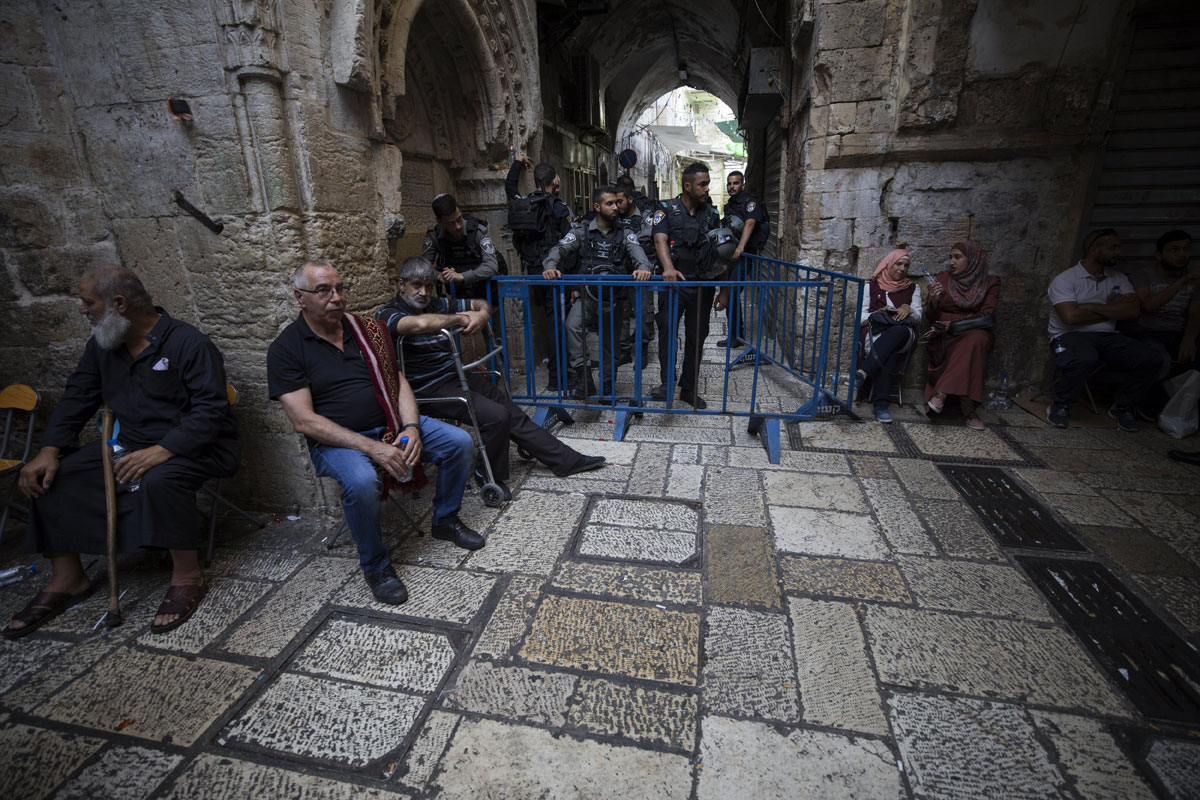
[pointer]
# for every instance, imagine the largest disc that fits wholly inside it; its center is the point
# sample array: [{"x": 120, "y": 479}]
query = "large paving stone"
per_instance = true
[
  {"x": 998, "y": 658},
  {"x": 328, "y": 720},
  {"x": 637, "y": 544},
  {"x": 1052, "y": 482},
  {"x": 169, "y": 698},
  {"x": 651, "y": 468},
  {"x": 837, "y": 684},
  {"x": 995, "y": 589},
  {"x": 1177, "y": 764},
  {"x": 957, "y": 530},
  {"x": 619, "y": 639},
  {"x": 749, "y": 669},
  {"x": 427, "y": 749},
  {"x": 1127, "y": 482},
  {"x": 27, "y": 656},
  {"x": 1090, "y": 756},
  {"x": 394, "y": 658},
  {"x": 1077, "y": 438},
  {"x": 740, "y": 566},
  {"x": 650, "y": 514},
  {"x": 796, "y": 460},
  {"x": 957, "y": 747},
  {"x": 835, "y": 492},
  {"x": 685, "y": 482},
  {"x": 643, "y": 715},
  {"x": 630, "y": 582},
  {"x": 1136, "y": 550},
  {"x": 843, "y": 578},
  {"x": 1162, "y": 517},
  {"x": 959, "y": 442},
  {"x": 1180, "y": 596},
  {"x": 508, "y": 622},
  {"x": 516, "y": 693},
  {"x": 255, "y": 564},
  {"x": 442, "y": 594},
  {"x": 227, "y": 599},
  {"x": 142, "y": 590},
  {"x": 528, "y": 762},
  {"x": 896, "y": 517},
  {"x": 871, "y": 466},
  {"x": 291, "y": 607},
  {"x": 611, "y": 478},
  {"x": 222, "y": 778},
  {"x": 35, "y": 760},
  {"x": 122, "y": 773},
  {"x": 528, "y": 536},
  {"x": 923, "y": 479},
  {"x": 830, "y": 533},
  {"x": 749, "y": 759},
  {"x": 845, "y": 435},
  {"x": 733, "y": 497},
  {"x": 1087, "y": 510},
  {"x": 73, "y": 662}
]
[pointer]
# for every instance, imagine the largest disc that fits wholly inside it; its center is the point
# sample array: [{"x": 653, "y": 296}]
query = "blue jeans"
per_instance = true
[{"x": 450, "y": 448}]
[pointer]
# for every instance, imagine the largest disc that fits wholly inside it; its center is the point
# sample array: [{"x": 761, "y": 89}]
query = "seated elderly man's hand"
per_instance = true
[
  {"x": 37, "y": 476},
  {"x": 411, "y": 452},
  {"x": 135, "y": 465},
  {"x": 391, "y": 457},
  {"x": 551, "y": 274},
  {"x": 473, "y": 320}
]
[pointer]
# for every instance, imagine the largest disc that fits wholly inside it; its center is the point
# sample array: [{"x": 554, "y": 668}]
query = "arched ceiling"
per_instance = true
[{"x": 641, "y": 43}]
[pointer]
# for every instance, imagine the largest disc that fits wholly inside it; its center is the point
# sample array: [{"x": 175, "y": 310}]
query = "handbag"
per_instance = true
[
  {"x": 882, "y": 319},
  {"x": 979, "y": 322}
]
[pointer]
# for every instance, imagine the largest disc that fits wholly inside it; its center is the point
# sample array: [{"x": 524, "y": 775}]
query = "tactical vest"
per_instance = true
[
  {"x": 602, "y": 255},
  {"x": 466, "y": 254},
  {"x": 531, "y": 220},
  {"x": 762, "y": 229},
  {"x": 641, "y": 224},
  {"x": 691, "y": 251}
]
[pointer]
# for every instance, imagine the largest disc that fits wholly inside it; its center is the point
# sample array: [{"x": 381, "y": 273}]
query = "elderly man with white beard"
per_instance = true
[{"x": 165, "y": 382}]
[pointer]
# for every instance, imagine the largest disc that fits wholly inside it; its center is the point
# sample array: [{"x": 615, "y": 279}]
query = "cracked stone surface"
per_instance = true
[
  {"x": 739, "y": 566},
  {"x": 630, "y": 582},
  {"x": 842, "y": 578},
  {"x": 998, "y": 752},
  {"x": 747, "y": 674},
  {"x": 328, "y": 720},
  {"x": 515, "y": 692},
  {"x": 636, "y": 544},
  {"x": 594, "y": 635},
  {"x": 830, "y": 533},
  {"x": 837, "y": 684},
  {"x": 644, "y": 715},
  {"x": 122, "y": 773}
]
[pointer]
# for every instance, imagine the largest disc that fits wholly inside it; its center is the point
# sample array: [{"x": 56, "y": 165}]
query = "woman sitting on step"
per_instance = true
[{"x": 890, "y": 312}]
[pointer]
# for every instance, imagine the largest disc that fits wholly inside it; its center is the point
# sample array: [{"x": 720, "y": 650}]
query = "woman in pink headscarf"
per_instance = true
[
  {"x": 957, "y": 361},
  {"x": 890, "y": 311}
]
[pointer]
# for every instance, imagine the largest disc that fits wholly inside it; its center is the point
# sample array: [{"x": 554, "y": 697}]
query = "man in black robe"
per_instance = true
[{"x": 165, "y": 382}]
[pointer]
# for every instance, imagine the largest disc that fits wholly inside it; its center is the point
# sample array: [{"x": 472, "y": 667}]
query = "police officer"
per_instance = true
[
  {"x": 640, "y": 222},
  {"x": 685, "y": 253},
  {"x": 603, "y": 248},
  {"x": 460, "y": 248},
  {"x": 533, "y": 242},
  {"x": 744, "y": 208}
]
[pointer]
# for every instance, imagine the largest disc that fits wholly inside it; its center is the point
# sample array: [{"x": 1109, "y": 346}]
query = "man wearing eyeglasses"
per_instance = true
[{"x": 335, "y": 374}]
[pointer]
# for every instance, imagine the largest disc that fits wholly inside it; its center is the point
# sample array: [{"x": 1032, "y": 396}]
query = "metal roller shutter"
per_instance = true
[{"x": 772, "y": 182}]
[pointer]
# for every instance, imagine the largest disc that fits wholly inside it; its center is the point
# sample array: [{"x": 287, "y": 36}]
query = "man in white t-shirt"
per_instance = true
[{"x": 1086, "y": 302}]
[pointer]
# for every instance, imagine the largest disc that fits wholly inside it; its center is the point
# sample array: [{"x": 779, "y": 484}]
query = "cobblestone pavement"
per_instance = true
[{"x": 690, "y": 621}]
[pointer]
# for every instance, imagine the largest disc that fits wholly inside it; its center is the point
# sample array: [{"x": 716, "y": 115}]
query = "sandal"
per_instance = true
[
  {"x": 181, "y": 600},
  {"x": 975, "y": 423},
  {"x": 44, "y": 607}
]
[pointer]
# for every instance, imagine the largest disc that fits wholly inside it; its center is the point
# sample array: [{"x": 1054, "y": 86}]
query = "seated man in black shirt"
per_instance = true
[
  {"x": 165, "y": 381},
  {"x": 332, "y": 371},
  {"x": 418, "y": 315}
]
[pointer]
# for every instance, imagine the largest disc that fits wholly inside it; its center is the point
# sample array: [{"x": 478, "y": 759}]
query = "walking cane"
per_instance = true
[{"x": 113, "y": 617}]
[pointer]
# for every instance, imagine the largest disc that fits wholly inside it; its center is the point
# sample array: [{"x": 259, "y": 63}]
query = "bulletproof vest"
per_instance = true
[
  {"x": 641, "y": 224},
  {"x": 601, "y": 255},
  {"x": 691, "y": 251},
  {"x": 532, "y": 222},
  {"x": 466, "y": 254},
  {"x": 762, "y": 229}
]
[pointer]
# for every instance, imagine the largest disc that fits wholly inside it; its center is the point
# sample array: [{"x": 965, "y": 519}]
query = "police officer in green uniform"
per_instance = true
[
  {"x": 603, "y": 248},
  {"x": 686, "y": 253},
  {"x": 755, "y": 228},
  {"x": 460, "y": 248},
  {"x": 638, "y": 220}
]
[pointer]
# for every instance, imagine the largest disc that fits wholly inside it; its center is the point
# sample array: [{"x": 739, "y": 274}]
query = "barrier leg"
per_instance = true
[
  {"x": 621, "y": 422},
  {"x": 767, "y": 429}
]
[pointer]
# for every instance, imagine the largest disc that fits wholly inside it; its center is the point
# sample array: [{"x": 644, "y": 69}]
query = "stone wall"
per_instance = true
[
  {"x": 294, "y": 147},
  {"x": 921, "y": 122}
]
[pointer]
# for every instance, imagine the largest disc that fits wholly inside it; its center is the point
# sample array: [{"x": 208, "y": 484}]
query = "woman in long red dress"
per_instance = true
[{"x": 957, "y": 362}]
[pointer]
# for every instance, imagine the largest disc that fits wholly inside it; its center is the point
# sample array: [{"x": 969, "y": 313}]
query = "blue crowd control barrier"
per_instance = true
[{"x": 799, "y": 327}]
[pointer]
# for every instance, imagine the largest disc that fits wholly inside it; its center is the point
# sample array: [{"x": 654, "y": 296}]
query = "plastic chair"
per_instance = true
[
  {"x": 16, "y": 399},
  {"x": 215, "y": 492}
]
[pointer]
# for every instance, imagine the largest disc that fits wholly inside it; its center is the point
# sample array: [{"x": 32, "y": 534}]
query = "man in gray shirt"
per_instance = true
[{"x": 1086, "y": 302}]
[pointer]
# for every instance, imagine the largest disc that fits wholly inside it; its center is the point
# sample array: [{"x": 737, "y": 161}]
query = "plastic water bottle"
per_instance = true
[
  {"x": 119, "y": 451},
  {"x": 407, "y": 476},
  {"x": 928, "y": 278},
  {"x": 998, "y": 400},
  {"x": 16, "y": 574}
]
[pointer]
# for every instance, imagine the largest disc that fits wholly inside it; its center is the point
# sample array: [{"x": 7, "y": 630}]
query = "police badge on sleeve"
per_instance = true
[
  {"x": 751, "y": 206},
  {"x": 659, "y": 216}
]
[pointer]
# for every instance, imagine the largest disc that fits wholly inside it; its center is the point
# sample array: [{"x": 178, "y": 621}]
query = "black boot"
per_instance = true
[{"x": 584, "y": 386}]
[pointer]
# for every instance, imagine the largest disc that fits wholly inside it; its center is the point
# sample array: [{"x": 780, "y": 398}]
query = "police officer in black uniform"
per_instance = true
[
  {"x": 638, "y": 220},
  {"x": 755, "y": 228},
  {"x": 603, "y": 248},
  {"x": 460, "y": 248},
  {"x": 551, "y": 221},
  {"x": 686, "y": 253}
]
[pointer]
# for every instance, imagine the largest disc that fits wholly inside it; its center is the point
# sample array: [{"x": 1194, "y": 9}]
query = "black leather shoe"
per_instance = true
[
  {"x": 584, "y": 464},
  {"x": 481, "y": 479},
  {"x": 722, "y": 343},
  {"x": 691, "y": 399},
  {"x": 457, "y": 531},
  {"x": 386, "y": 587},
  {"x": 659, "y": 392}
]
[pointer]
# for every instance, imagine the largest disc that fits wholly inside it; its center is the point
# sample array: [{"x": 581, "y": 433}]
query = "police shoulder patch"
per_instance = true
[
  {"x": 751, "y": 205},
  {"x": 486, "y": 244},
  {"x": 631, "y": 236},
  {"x": 659, "y": 216},
  {"x": 570, "y": 237}
]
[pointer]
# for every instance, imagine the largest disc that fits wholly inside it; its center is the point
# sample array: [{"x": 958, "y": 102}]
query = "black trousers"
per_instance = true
[
  {"x": 1083, "y": 351},
  {"x": 70, "y": 517},
  {"x": 880, "y": 363},
  {"x": 693, "y": 304},
  {"x": 555, "y": 323},
  {"x": 500, "y": 420}
]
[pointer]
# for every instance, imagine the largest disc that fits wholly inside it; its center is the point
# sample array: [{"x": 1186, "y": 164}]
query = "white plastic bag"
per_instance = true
[{"x": 1179, "y": 416}]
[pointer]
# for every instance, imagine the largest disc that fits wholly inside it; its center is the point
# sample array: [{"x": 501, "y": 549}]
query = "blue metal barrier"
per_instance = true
[{"x": 796, "y": 322}]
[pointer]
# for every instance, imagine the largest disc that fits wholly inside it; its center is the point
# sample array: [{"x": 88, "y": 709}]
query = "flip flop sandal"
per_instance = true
[
  {"x": 44, "y": 607},
  {"x": 181, "y": 600}
]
